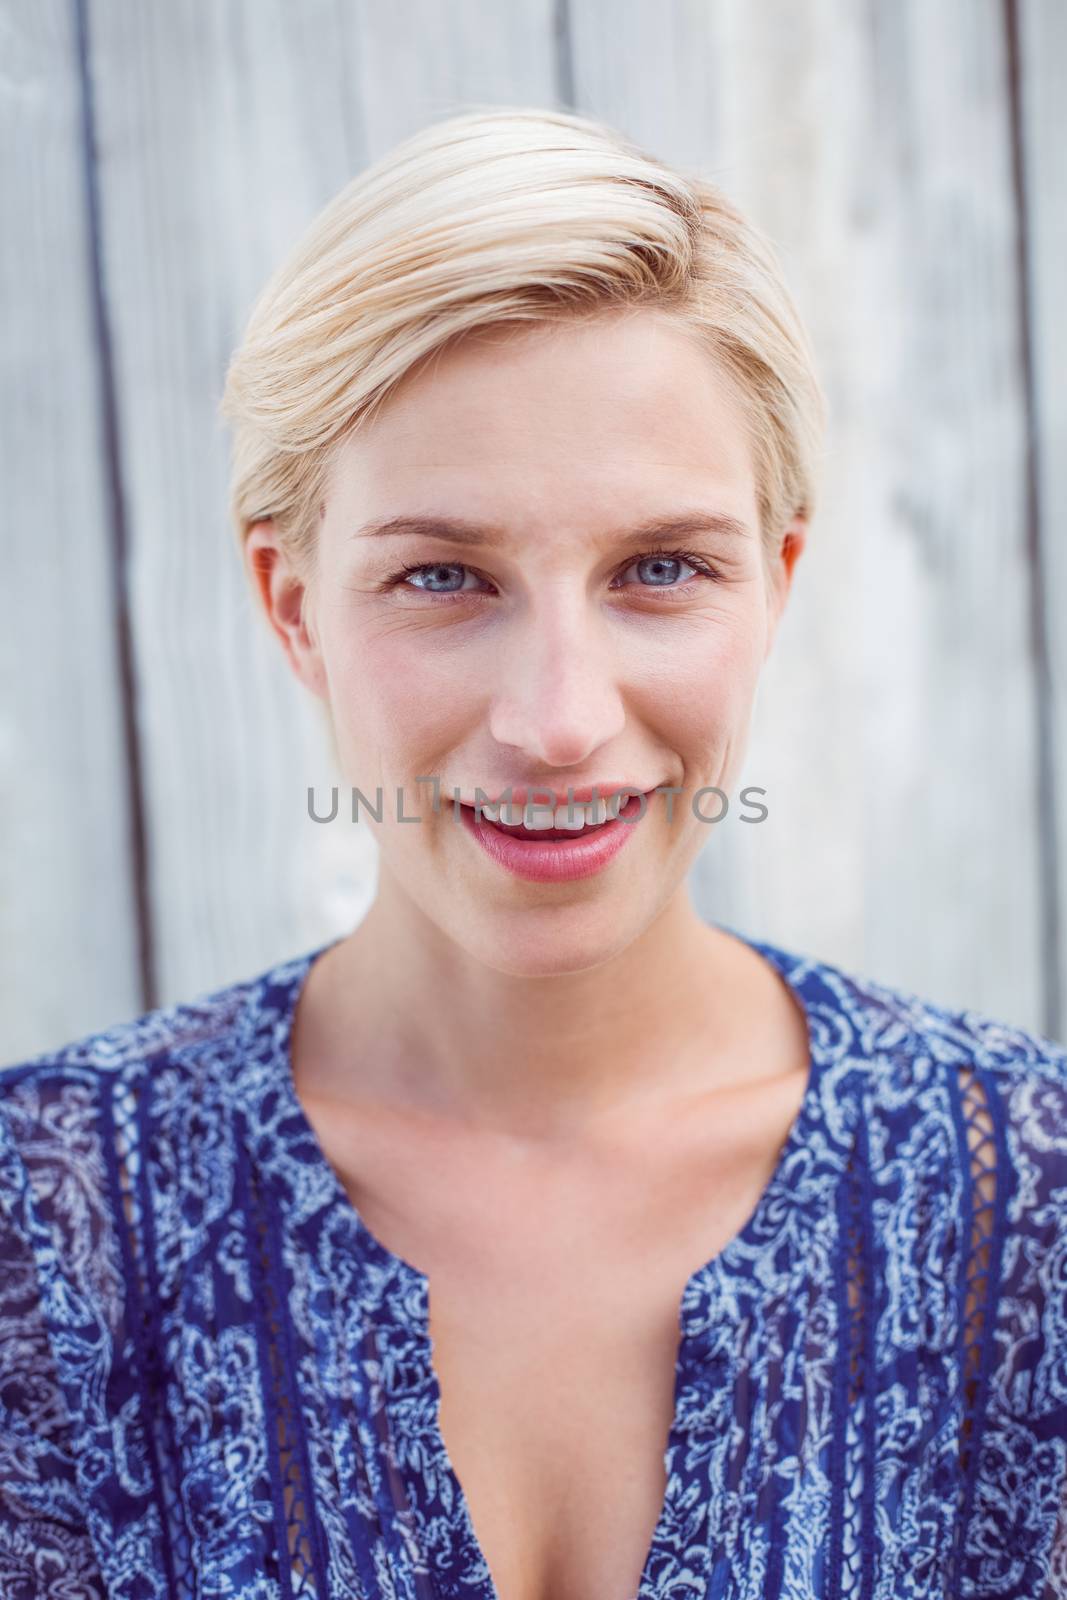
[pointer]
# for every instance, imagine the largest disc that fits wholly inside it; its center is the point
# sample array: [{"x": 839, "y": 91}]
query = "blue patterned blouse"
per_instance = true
[{"x": 214, "y": 1381}]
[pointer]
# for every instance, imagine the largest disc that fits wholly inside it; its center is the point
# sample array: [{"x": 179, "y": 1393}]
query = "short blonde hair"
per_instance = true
[{"x": 506, "y": 215}]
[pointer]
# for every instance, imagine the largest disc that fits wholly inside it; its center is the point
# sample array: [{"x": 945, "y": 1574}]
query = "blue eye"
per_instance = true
[
  {"x": 435, "y": 570},
  {"x": 660, "y": 569}
]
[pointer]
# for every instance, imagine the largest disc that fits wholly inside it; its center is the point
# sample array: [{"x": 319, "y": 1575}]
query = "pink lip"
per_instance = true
[{"x": 555, "y": 860}]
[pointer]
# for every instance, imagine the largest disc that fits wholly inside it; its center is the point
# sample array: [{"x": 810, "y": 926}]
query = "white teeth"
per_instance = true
[{"x": 535, "y": 815}]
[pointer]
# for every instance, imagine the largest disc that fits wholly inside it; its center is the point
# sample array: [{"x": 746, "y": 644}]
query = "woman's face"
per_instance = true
[{"x": 551, "y": 645}]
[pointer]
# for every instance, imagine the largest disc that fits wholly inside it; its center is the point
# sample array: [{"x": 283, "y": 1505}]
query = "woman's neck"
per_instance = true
[{"x": 397, "y": 1013}]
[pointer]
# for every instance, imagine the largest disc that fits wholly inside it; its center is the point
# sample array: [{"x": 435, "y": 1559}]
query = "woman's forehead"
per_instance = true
[{"x": 649, "y": 415}]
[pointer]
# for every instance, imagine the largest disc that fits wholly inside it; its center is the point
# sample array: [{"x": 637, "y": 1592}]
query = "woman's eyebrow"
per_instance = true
[{"x": 461, "y": 530}]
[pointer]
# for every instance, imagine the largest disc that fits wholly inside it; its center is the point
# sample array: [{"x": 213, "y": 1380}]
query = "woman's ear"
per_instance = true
[
  {"x": 287, "y": 604},
  {"x": 781, "y": 574}
]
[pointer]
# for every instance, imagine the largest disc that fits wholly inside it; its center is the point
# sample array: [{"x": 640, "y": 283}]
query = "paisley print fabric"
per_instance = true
[{"x": 215, "y": 1381}]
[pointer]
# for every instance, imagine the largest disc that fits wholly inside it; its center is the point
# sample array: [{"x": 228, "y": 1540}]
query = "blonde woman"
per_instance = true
[{"x": 537, "y": 1239}]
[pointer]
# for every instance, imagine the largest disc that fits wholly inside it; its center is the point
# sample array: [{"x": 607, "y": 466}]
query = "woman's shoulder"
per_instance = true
[
  {"x": 167, "y": 1031},
  {"x": 112, "y": 1142},
  {"x": 882, "y": 1018},
  {"x": 932, "y": 1086},
  {"x": 155, "y": 1072},
  {"x": 944, "y": 1095},
  {"x": 209, "y": 1028}
]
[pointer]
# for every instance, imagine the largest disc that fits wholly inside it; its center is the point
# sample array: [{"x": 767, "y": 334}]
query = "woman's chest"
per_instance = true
[
  {"x": 554, "y": 1301},
  {"x": 557, "y": 1397},
  {"x": 307, "y": 1419}
]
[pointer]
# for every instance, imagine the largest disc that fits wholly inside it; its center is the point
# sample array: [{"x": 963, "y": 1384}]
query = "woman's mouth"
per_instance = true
[{"x": 556, "y": 855}]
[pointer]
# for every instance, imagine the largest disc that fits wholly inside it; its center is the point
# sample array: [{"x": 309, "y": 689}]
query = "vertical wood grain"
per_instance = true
[
  {"x": 69, "y": 957},
  {"x": 1037, "y": 31}
]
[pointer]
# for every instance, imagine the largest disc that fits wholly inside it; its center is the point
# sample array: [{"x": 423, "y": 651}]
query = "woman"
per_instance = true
[{"x": 748, "y": 1274}]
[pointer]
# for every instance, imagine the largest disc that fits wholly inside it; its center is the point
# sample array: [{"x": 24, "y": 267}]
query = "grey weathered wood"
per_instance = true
[
  {"x": 221, "y": 131},
  {"x": 68, "y": 946},
  {"x": 1042, "y": 67},
  {"x": 896, "y": 723}
]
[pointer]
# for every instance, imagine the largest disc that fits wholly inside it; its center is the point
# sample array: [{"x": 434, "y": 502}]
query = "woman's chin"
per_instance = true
[{"x": 529, "y": 945}]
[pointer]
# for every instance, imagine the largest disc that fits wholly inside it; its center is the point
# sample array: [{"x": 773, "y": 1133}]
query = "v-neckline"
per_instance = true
[{"x": 402, "y": 1289}]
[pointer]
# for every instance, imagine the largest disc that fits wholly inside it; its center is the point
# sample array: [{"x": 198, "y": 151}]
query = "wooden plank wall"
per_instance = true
[{"x": 911, "y": 732}]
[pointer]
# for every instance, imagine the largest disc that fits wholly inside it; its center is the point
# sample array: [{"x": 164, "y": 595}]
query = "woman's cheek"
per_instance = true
[{"x": 400, "y": 710}]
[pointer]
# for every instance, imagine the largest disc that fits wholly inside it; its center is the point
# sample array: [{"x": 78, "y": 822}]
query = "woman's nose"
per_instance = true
[{"x": 557, "y": 696}]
